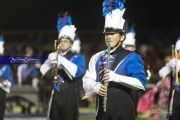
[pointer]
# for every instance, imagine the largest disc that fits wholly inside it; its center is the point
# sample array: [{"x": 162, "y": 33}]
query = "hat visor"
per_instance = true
[
  {"x": 66, "y": 37},
  {"x": 113, "y": 30}
]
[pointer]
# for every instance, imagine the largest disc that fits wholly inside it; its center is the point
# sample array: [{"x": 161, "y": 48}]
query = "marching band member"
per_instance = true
[
  {"x": 130, "y": 44},
  {"x": 125, "y": 72},
  {"x": 76, "y": 47},
  {"x": 6, "y": 80},
  {"x": 174, "y": 95},
  {"x": 63, "y": 102}
]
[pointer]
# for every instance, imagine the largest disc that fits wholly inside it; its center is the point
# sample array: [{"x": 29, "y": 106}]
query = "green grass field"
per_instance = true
[{"x": 85, "y": 114}]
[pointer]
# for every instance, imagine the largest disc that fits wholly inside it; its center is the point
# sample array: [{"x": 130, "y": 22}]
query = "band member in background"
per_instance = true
[
  {"x": 125, "y": 72},
  {"x": 174, "y": 95},
  {"x": 76, "y": 47},
  {"x": 6, "y": 80},
  {"x": 130, "y": 44},
  {"x": 64, "y": 100}
]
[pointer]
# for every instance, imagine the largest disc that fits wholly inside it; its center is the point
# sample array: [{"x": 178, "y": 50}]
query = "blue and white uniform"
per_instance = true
[
  {"x": 6, "y": 74},
  {"x": 64, "y": 102},
  {"x": 135, "y": 77},
  {"x": 174, "y": 94},
  {"x": 6, "y": 82},
  {"x": 128, "y": 71}
]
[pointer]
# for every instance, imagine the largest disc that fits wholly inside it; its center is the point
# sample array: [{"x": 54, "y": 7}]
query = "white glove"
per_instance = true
[
  {"x": 172, "y": 64},
  {"x": 52, "y": 57},
  {"x": 114, "y": 77}
]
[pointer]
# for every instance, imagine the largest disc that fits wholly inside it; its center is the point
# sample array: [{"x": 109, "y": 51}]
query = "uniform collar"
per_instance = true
[
  {"x": 119, "y": 49},
  {"x": 63, "y": 54}
]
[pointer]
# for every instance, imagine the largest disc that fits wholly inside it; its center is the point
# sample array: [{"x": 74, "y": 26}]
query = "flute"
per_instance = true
[{"x": 107, "y": 67}]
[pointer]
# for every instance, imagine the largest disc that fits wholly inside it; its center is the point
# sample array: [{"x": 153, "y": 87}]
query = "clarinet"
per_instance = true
[{"x": 107, "y": 67}]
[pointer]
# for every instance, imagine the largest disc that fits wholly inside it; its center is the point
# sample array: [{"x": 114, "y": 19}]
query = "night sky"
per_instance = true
[{"x": 86, "y": 14}]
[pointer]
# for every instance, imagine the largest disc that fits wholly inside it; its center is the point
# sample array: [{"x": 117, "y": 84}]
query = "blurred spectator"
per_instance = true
[{"x": 27, "y": 75}]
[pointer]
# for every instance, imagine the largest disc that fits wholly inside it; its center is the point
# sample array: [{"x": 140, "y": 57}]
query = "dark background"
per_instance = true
[
  {"x": 33, "y": 22},
  {"x": 26, "y": 22},
  {"x": 86, "y": 14}
]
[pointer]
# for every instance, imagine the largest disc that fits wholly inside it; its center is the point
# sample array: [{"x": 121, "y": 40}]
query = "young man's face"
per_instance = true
[
  {"x": 29, "y": 51},
  {"x": 114, "y": 39},
  {"x": 64, "y": 44}
]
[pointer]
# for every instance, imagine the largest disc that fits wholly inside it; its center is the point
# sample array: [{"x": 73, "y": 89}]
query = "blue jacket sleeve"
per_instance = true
[
  {"x": 79, "y": 60},
  {"x": 7, "y": 74},
  {"x": 135, "y": 69}
]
